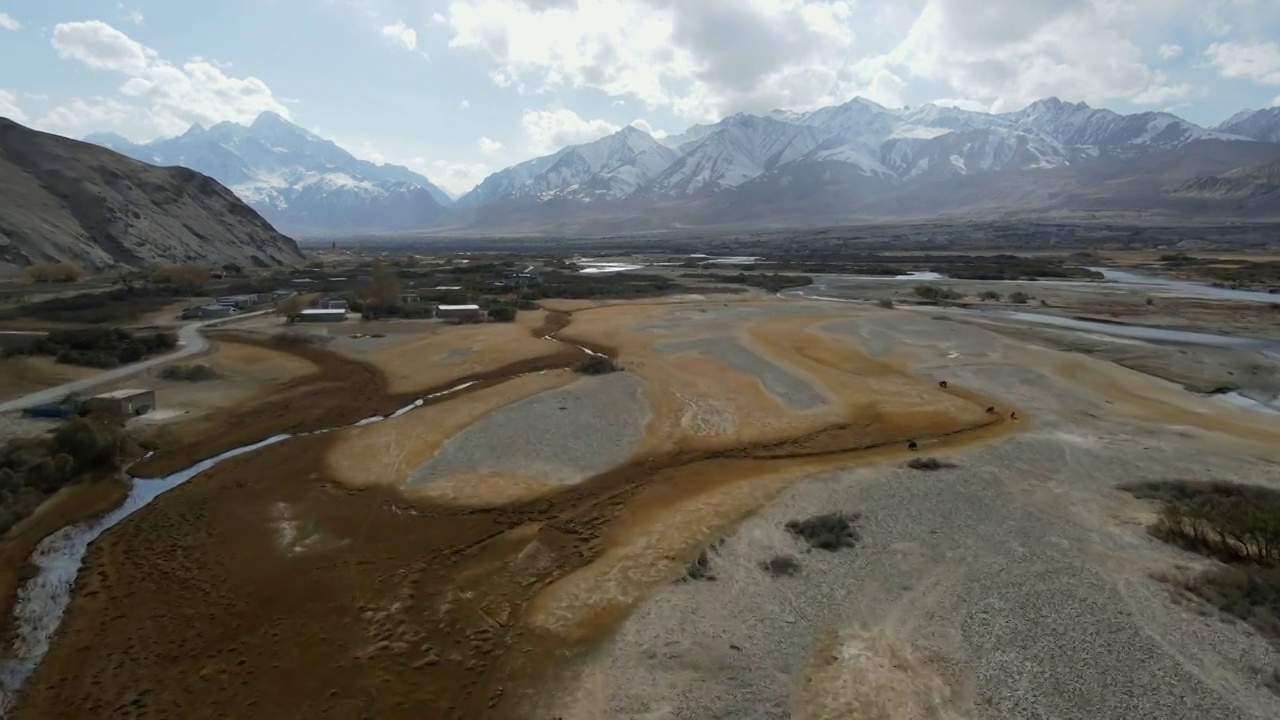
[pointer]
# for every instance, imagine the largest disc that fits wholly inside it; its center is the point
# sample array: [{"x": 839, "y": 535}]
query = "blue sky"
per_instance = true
[{"x": 457, "y": 89}]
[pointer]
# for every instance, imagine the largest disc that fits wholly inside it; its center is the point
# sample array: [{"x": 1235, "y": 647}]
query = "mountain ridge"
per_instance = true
[
  {"x": 295, "y": 178},
  {"x": 67, "y": 200}
]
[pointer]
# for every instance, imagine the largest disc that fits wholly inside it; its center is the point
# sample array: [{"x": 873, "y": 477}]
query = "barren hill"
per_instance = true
[{"x": 68, "y": 200}]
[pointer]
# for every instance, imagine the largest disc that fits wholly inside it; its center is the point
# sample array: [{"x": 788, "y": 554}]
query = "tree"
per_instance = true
[
  {"x": 187, "y": 278},
  {"x": 384, "y": 287},
  {"x": 61, "y": 272},
  {"x": 291, "y": 305}
]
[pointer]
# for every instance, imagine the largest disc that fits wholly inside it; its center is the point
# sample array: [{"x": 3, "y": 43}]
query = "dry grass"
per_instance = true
[{"x": 830, "y": 532}]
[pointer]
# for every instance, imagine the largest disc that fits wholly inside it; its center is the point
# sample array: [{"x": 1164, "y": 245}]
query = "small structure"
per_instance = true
[
  {"x": 334, "y": 303},
  {"x": 458, "y": 311},
  {"x": 123, "y": 402},
  {"x": 323, "y": 315},
  {"x": 409, "y": 299},
  {"x": 217, "y": 311}
]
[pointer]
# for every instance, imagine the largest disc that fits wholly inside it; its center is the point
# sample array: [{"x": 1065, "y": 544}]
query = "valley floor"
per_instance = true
[{"x": 531, "y": 542}]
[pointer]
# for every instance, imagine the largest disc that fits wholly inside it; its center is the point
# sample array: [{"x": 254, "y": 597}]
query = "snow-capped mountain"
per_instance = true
[
  {"x": 859, "y": 141},
  {"x": 610, "y": 168},
  {"x": 296, "y": 179},
  {"x": 1261, "y": 125}
]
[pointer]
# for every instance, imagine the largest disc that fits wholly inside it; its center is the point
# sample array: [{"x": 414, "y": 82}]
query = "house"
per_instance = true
[
  {"x": 334, "y": 303},
  {"x": 217, "y": 311},
  {"x": 123, "y": 402},
  {"x": 458, "y": 311},
  {"x": 409, "y": 299},
  {"x": 323, "y": 315}
]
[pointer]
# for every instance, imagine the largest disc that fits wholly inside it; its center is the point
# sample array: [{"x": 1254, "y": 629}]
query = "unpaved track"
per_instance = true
[{"x": 265, "y": 590}]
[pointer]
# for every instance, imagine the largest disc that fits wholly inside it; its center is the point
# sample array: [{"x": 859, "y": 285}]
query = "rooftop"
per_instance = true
[
  {"x": 458, "y": 307},
  {"x": 324, "y": 311},
  {"x": 122, "y": 393}
]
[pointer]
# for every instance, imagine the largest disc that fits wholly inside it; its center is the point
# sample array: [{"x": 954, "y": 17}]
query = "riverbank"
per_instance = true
[{"x": 69, "y": 506}]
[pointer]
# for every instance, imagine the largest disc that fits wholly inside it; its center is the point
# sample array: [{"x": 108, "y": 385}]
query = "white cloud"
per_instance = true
[
  {"x": 489, "y": 147},
  {"x": 79, "y": 115},
  {"x": 1168, "y": 52},
  {"x": 550, "y": 130},
  {"x": 1257, "y": 61},
  {"x": 132, "y": 15},
  {"x": 701, "y": 59},
  {"x": 401, "y": 34},
  {"x": 708, "y": 58},
  {"x": 963, "y": 104},
  {"x": 645, "y": 126},
  {"x": 7, "y": 22},
  {"x": 165, "y": 98},
  {"x": 464, "y": 105},
  {"x": 1162, "y": 94},
  {"x": 9, "y": 107},
  {"x": 101, "y": 47},
  {"x": 35, "y": 96},
  {"x": 452, "y": 176},
  {"x": 1276, "y": 101},
  {"x": 439, "y": 19}
]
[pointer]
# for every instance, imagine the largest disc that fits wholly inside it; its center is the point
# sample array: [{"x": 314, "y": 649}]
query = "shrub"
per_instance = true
[
  {"x": 502, "y": 313},
  {"x": 830, "y": 531},
  {"x": 1018, "y": 297},
  {"x": 62, "y": 272},
  {"x": 781, "y": 566},
  {"x": 188, "y": 278},
  {"x": 885, "y": 303},
  {"x": 929, "y": 464},
  {"x": 596, "y": 365},
  {"x": 991, "y": 295},
  {"x": 302, "y": 338},
  {"x": 189, "y": 373},
  {"x": 929, "y": 292},
  {"x": 32, "y": 469},
  {"x": 1236, "y": 523},
  {"x": 103, "y": 347},
  {"x": 700, "y": 567}
]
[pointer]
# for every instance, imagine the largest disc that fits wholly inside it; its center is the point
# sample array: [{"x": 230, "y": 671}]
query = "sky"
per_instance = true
[{"x": 458, "y": 89}]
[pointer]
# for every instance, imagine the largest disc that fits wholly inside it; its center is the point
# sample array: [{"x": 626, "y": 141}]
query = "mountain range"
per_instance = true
[
  {"x": 66, "y": 200},
  {"x": 296, "y": 179},
  {"x": 849, "y": 162}
]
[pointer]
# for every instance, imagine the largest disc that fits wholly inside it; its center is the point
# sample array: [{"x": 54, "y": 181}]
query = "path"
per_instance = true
[{"x": 190, "y": 342}]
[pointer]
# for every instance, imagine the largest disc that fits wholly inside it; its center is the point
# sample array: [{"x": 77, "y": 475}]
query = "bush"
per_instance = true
[
  {"x": 700, "y": 567},
  {"x": 1018, "y": 297},
  {"x": 990, "y": 295},
  {"x": 105, "y": 347},
  {"x": 189, "y": 373},
  {"x": 781, "y": 566},
  {"x": 502, "y": 313},
  {"x": 885, "y": 303},
  {"x": 32, "y": 469},
  {"x": 1230, "y": 521},
  {"x": 63, "y": 272},
  {"x": 929, "y": 292},
  {"x": 928, "y": 464},
  {"x": 830, "y": 532},
  {"x": 302, "y": 338},
  {"x": 1236, "y": 523},
  {"x": 596, "y": 365}
]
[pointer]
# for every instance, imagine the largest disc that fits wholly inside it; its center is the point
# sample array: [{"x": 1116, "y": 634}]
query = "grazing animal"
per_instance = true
[
  {"x": 991, "y": 410},
  {"x": 942, "y": 384},
  {"x": 912, "y": 445}
]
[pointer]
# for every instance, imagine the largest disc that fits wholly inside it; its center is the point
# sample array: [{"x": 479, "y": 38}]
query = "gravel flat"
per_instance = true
[
  {"x": 792, "y": 390},
  {"x": 563, "y": 436},
  {"x": 1016, "y": 585}
]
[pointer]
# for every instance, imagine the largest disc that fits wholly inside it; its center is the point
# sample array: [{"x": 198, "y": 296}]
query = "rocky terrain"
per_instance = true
[{"x": 66, "y": 200}]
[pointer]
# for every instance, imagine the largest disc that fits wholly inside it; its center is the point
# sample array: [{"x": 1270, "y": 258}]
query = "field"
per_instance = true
[{"x": 792, "y": 501}]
